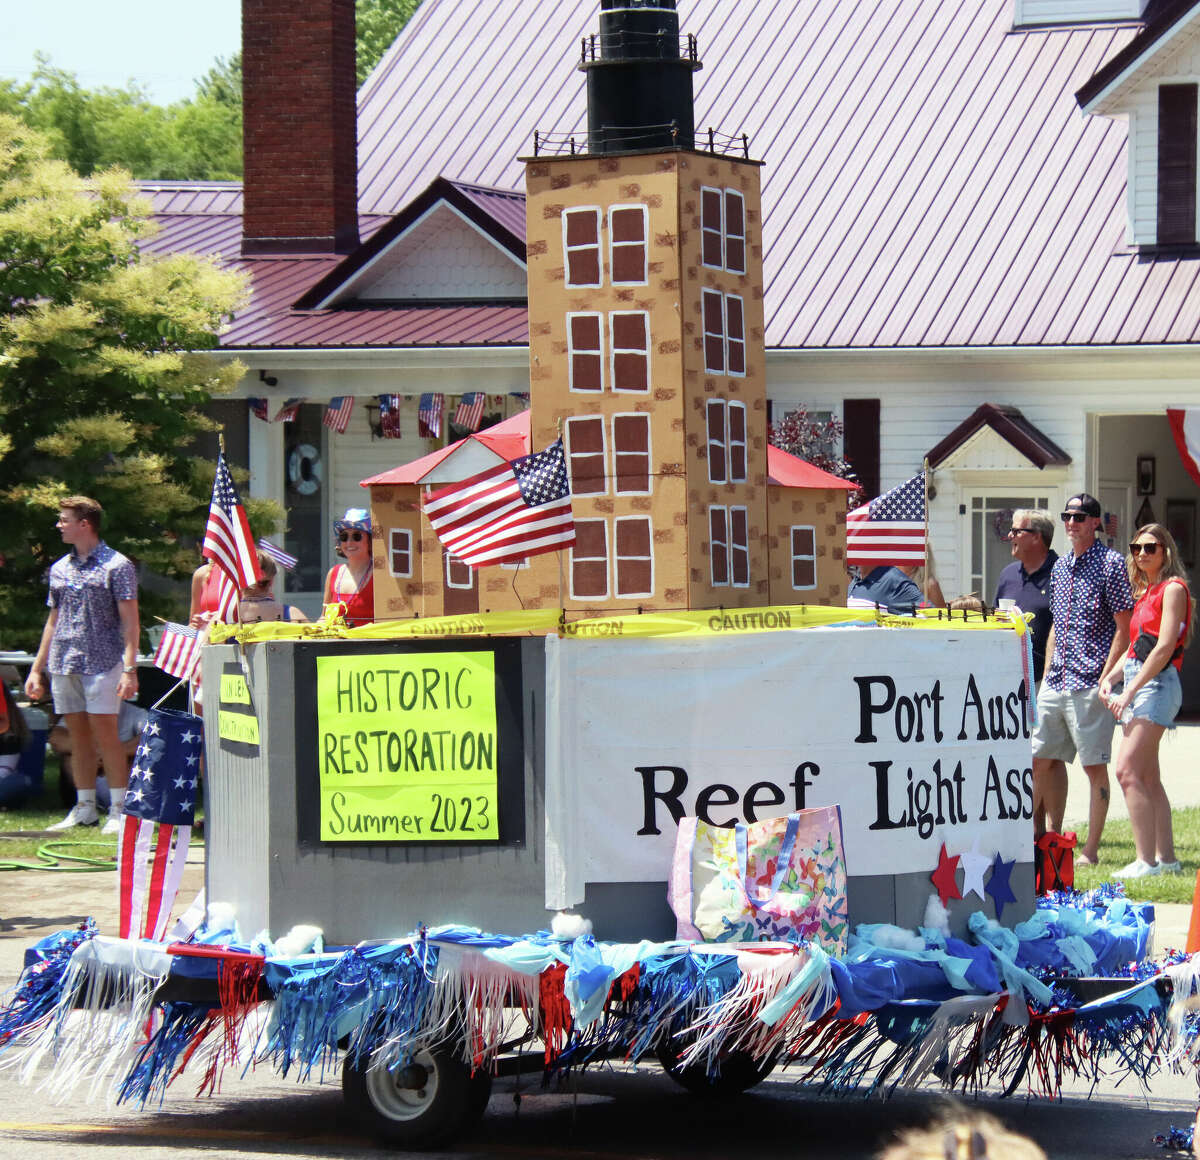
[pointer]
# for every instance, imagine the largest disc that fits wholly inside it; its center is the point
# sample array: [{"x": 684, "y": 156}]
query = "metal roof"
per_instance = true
[{"x": 928, "y": 180}]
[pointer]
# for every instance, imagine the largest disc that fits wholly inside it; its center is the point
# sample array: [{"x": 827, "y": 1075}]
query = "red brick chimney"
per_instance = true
[{"x": 300, "y": 132}]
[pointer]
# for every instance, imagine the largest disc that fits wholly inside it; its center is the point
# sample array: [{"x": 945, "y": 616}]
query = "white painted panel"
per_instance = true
[{"x": 1075, "y": 11}]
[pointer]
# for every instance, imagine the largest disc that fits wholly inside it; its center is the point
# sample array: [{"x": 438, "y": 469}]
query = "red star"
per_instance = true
[{"x": 944, "y": 876}]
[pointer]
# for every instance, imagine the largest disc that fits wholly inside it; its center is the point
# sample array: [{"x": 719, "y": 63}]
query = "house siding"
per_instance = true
[{"x": 1026, "y": 12}]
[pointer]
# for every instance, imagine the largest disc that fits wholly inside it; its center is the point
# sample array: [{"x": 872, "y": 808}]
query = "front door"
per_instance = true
[
  {"x": 990, "y": 515},
  {"x": 462, "y": 586}
]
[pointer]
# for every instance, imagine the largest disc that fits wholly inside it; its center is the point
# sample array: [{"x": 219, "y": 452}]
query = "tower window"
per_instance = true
[
  {"x": 714, "y": 332},
  {"x": 735, "y": 232},
  {"x": 718, "y": 460},
  {"x": 585, "y": 455},
  {"x": 723, "y": 229},
  {"x": 726, "y": 430},
  {"x": 729, "y": 546},
  {"x": 1176, "y": 164},
  {"x": 712, "y": 251},
  {"x": 739, "y": 547},
  {"x": 718, "y": 545},
  {"x": 630, "y": 336},
  {"x": 589, "y": 560},
  {"x": 631, "y": 454},
  {"x": 585, "y": 353},
  {"x": 804, "y": 556},
  {"x": 627, "y": 229},
  {"x": 735, "y": 335},
  {"x": 400, "y": 552},
  {"x": 634, "y": 556},
  {"x": 581, "y": 246}
]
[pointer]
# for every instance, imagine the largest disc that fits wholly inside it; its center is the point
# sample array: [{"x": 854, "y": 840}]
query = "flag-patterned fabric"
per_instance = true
[
  {"x": 1185, "y": 427},
  {"x": 259, "y": 407},
  {"x": 469, "y": 412},
  {"x": 228, "y": 542},
  {"x": 429, "y": 415},
  {"x": 337, "y": 413},
  {"x": 178, "y": 650},
  {"x": 507, "y": 513},
  {"x": 288, "y": 412},
  {"x": 284, "y": 559},
  {"x": 389, "y": 416},
  {"x": 160, "y": 808},
  {"x": 1110, "y": 524},
  {"x": 889, "y": 529}
]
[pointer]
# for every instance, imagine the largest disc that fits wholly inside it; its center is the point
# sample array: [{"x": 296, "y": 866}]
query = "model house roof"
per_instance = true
[{"x": 929, "y": 180}]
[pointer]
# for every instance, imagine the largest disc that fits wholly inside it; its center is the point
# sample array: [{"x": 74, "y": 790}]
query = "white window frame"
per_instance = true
[
  {"x": 730, "y": 442},
  {"x": 571, "y": 351},
  {"x": 450, "y": 583},
  {"x": 719, "y": 231},
  {"x": 613, "y": 244},
  {"x": 726, "y": 235},
  {"x": 794, "y": 556},
  {"x": 603, "y": 453},
  {"x": 743, "y": 548},
  {"x": 616, "y": 560},
  {"x": 709, "y": 406},
  {"x": 705, "y": 333},
  {"x": 724, "y": 513},
  {"x": 607, "y": 565},
  {"x": 614, "y": 350},
  {"x": 729, "y": 340},
  {"x": 616, "y": 476},
  {"x": 393, "y": 533},
  {"x": 599, "y": 246}
]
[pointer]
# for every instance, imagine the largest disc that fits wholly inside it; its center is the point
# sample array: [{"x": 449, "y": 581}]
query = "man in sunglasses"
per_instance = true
[
  {"x": 1026, "y": 581},
  {"x": 1090, "y": 606}
]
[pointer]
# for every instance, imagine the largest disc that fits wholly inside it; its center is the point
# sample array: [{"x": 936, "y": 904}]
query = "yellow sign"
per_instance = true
[
  {"x": 238, "y": 727},
  {"x": 407, "y": 747},
  {"x": 234, "y": 690}
]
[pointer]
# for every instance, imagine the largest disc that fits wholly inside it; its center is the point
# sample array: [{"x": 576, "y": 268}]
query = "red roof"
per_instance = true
[
  {"x": 508, "y": 439},
  {"x": 787, "y": 470}
]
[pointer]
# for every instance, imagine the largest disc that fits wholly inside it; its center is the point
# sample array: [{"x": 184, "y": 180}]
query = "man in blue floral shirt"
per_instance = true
[
  {"x": 1091, "y": 603},
  {"x": 89, "y": 647}
]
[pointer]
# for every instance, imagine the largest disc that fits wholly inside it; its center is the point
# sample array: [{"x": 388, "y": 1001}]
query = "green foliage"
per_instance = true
[
  {"x": 379, "y": 23},
  {"x": 102, "y": 375}
]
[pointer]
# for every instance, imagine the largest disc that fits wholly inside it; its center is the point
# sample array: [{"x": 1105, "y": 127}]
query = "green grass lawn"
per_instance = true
[{"x": 1116, "y": 850}]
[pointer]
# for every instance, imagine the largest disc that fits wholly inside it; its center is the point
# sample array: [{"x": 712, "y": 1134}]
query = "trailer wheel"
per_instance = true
[
  {"x": 740, "y": 1071},
  {"x": 420, "y": 1105}
]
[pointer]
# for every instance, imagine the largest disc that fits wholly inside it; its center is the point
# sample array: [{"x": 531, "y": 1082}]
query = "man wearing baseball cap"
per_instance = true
[{"x": 1090, "y": 603}]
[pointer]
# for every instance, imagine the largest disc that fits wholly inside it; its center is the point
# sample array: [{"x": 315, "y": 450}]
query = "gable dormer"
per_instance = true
[
  {"x": 1152, "y": 84},
  {"x": 1042, "y": 13}
]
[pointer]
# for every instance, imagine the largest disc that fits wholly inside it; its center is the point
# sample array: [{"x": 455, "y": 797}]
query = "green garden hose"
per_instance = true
[{"x": 53, "y": 857}]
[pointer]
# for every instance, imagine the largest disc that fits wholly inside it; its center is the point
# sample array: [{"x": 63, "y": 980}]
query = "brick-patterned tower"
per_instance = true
[
  {"x": 300, "y": 127},
  {"x": 646, "y": 334}
]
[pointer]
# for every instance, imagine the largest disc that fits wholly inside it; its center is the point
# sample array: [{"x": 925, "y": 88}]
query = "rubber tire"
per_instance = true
[
  {"x": 740, "y": 1071},
  {"x": 451, "y": 1101}
]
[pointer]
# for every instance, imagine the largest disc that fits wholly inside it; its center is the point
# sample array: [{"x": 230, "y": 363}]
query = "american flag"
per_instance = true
[
  {"x": 160, "y": 808},
  {"x": 178, "y": 650},
  {"x": 429, "y": 415},
  {"x": 469, "y": 412},
  {"x": 288, "y": 412},
  {"x": 507, "y": 513},
  {"x": 228, "y": 542},
  {"x": 389, "y": 416},
  {"x": 337, "y": 414},
  {"x": 1110, "y": 524},
  {"x": 282, "y": 558},
  {"x": 889, "y": 529},
  {"x": 259, "y": 407}
]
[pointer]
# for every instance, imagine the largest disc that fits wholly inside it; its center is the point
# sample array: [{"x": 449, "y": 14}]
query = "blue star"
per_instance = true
[{"x": 998, "y": 885}]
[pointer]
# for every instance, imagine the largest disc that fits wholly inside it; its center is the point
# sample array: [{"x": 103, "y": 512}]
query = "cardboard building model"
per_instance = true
[{"x": 646, "y": 352}]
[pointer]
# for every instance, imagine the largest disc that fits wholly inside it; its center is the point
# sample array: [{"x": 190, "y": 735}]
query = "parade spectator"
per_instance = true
[
  {"x": 1026, "y": 581},
  {"x": 89, "y": 647},
  {"x": 206, "y": 595},
  {"x": 1143, "y": 692},
  {"x": 963, "y": 1137},
  {"x": 1090, "y": 603},
  {"x": 14, "y": 737},
  {"x": 890, "y": 586},
  {"x": 258, "y": 600},
  {"x": 353, "y": 583},
  {"x": 967, "y": 603},
  {"x": 130, "y": 719}
]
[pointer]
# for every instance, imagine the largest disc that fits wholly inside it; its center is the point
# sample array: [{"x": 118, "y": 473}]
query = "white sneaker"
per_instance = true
[
  {"x": 80, "y": 815},
  {"x": 1170, "y": 868},
  {"x": 1137, "y": 869},
  {"x": 112, "y": 827}
]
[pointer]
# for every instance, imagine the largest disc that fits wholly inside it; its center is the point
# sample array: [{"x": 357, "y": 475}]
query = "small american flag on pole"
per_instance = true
[
  {"x": 288, "y": 412},
  {"x": 178, "y": 650},
  {"x": 228, "y": 542},
  {"x": 889, "y": 529},
  {"x": 337, "y": 414},
  {"x": 469, "y": 412},
  {"x": 284, "y": 559},
  {"x": 429, "y": 415},
  {"x": 508, "y": 512},
  {"x": 259, "y": 407}
]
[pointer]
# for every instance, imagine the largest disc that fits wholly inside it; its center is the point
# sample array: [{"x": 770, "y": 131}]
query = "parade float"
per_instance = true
[{"x": 657, "y": 800}]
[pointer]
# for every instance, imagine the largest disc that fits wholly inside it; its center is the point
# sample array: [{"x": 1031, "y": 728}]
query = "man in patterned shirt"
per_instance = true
[
  {"x": 89, "y": 647},
  {"x": 1091, "y": 603}
]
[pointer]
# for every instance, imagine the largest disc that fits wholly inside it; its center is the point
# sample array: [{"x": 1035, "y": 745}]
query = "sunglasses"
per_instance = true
[
  {"x": 1075, "y": 517},
  {"x": 355, "y": 536},
  {"x": 1150, "y": 549},
  {"x": 1018, "y": 531}
]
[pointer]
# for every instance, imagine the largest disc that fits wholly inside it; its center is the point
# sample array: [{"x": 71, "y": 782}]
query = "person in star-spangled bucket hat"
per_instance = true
[{"x": 352, "y": 584}]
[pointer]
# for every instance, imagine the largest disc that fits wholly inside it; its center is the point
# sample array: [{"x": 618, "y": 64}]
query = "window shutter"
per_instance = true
[
  {"x": 587, "y": 362},
  {"x": 739, "y": 546},
  {"x": 1176, "y": 164},
  {"x": 589, "y": 560},
  {"x": 581, "y": 246},
  {"x": 718, "y": 544},
  {"x": 714, "y": 332},
  {"x": 711, "y": 233},
  {"x": 716, "y": 441},
  {"x": 735, "y": 232},
  {"x": 631, "y": 351},
  {"x": 860, "y": 442},
  {"x": 737, "y": 442},
  {"x": 735, "y": 332},
  {"x": 634, "y": 557},
  {"x": 585, "y": 454},
  {"x": 631, "y": 453},
  {"x": 627, "y": 239}
]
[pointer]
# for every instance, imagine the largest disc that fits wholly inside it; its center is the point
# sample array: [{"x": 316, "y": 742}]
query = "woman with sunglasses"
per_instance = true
[
  {"x": 353, "y": 583},
  {"x": 1151, "y": 696}
]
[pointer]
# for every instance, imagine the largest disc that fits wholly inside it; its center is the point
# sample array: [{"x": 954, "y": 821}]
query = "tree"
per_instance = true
[
  {"x": 103, "y": 376},
  {"x": 816, "y": 439},
  {"x": 379, "y": 23}
]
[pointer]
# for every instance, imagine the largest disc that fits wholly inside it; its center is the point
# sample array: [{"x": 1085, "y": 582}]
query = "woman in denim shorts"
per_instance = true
[{"x": 1142, "y": 691}]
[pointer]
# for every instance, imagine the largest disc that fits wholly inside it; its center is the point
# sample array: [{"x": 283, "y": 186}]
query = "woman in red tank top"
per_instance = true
[
  {"x": 353, "y": 583},
  {"x": 1143, "y": 692}
]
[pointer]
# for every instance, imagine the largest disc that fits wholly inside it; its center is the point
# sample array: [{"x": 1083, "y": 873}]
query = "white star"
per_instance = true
[
  {"x": 147, "y": 774},
  {"x": 181, "y": 783},
  {"x": 974, "y": 864},
  {"x": 134, "y": 773},
  {"x": 153, "y": 729},
  {"x": 195, "y": 780},
  {"x": 188, "y": 737},
  {"x": 192, "y": 759}
]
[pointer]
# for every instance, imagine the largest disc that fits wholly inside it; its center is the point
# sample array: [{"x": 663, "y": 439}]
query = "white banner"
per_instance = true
[{"x": 922, "y": 737}]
